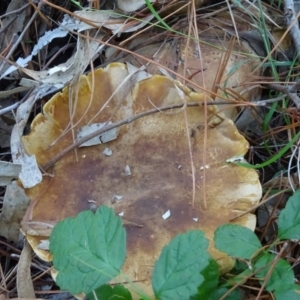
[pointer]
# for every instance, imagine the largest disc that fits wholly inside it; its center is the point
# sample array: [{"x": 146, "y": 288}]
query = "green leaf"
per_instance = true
[
  {"x": 290, "y": 292},
  {"x": 236, "y": 294},
  {"x": 176, "y": 273},
  {"x": 107, "y": 292},
  {"x": 211, "y": 276},
  {"x": 236, "y": 240},
  {"x": 281, "y": 276},
  {"x": 88, "y": 250},
  {"x": 239, "y": 267},
  {"x": 289, "y": 219}
]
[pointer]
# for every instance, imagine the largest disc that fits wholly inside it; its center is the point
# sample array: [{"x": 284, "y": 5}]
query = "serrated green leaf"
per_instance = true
[
  {"x": 88, "y": 250},
  {"x": 211, "y": 276},
  {"x": 282, "y": 275},
  {"x": 236, "y": 240},
  {"x": 289, "y": 219},
  {"x": 176, "y": 273},
  {"x": 290, "y": 292},
  {"x": 107, "y": 292}
]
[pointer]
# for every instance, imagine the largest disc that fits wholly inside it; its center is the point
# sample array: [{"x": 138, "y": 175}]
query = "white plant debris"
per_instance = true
[
  {"x": 105, "y": 137},
  {"x": 127, "y": 170},
  {"x": 117, "y": 197},
  {"x": 195, "y": 219},
  {"x": 107, "y": 152},
  {"x": 206, "y": 167},
  {"x": 121, "y": 214},
  {"x": 235, "y": 159},
  {"x": 166, "y": 215},
  {"x": 44, "y": 245}
]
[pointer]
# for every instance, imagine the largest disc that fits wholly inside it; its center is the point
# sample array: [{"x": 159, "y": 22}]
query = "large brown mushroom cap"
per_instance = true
[{"x": 156, "y": 150}]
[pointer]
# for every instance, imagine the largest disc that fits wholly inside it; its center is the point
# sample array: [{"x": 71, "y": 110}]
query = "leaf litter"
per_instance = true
[{"x": 62, "y": 74}]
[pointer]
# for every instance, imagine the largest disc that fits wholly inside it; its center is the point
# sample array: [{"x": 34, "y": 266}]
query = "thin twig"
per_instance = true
[
  {"x": 115, "y": 125},
  {"x": 9, "y": 108},
  {"x": 192, "y": 18},
  {"x": 271, "y": 270},
  {"x": 291, "y": 19},
  {"x": 141, "y": 115},
  {"x": 253, "y": 103},
  {"x": 289, "y": 91},
  {"x": 254, "y": 207},
  {"x": 197, "y": 46},
  {"x": 244, "y": 279},
  {"x": 17, "y": 104}
]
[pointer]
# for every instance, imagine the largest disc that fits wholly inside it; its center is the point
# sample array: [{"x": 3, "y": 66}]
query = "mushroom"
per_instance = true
[
  {"x": 159, "y": 149},
  {"x": 224, "y": 68}
]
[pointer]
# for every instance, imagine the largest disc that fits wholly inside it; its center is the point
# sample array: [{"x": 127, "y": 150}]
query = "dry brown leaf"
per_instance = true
[
  {"x": 112, "y": 21},
  {"x": 24, "y": 282},
  {"x": 15, "y": 204},
  {"x": 130, "y": 5}
]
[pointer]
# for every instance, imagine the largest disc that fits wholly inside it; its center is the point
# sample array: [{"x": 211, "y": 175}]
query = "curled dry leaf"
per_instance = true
[
  {"x": 30, "y": 174},
  {"x": 156, "y": 148}
]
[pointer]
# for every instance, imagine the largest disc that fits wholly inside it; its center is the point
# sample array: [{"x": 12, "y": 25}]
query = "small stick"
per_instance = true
[
  {"x": 291, "y": 19},
  {"x": 290, "y": 91},
  {"x": 115, "y": 125},
  {"x": 136, "y": 117}
]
